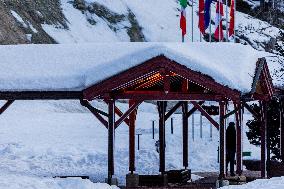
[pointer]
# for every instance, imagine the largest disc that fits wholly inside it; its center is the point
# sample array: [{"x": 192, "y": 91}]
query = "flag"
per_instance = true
[
  {"x": 207, "y": 13},
  {"x": 183, "y": 4},
  {"x": 201, "y": 23},
  {"x": 218, "y": 21},
  {"x": 232, "y": 19}
]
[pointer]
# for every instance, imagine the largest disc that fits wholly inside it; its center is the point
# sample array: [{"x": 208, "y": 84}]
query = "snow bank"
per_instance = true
[
  {"x": 75, "y": 67},
  {"x": 12, "y": 181},
  {"x": 273, "y": 183}
]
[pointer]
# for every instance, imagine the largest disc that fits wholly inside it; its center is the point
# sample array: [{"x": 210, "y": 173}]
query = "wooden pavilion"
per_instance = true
[{"x": 162, "y": 79}]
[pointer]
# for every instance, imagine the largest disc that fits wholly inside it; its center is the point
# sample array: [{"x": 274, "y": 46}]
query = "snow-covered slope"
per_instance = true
[{"x": 158, "y": 20}]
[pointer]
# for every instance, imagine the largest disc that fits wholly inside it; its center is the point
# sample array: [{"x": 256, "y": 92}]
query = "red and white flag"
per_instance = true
[
  {"x": 232, "y": 19},
  {"x": 218, "y": 21},
  {"x": 183, "y": 21}
]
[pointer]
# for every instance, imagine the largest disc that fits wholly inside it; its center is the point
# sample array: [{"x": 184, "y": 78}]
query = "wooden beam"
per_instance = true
[
  {"x": 205, "y": 114},
  {"x": 133, "y": 107},
  {"x": 222, "y": 141},
  {"x": 185, "y": 134},
  {"x": 93, "y": 110},
  {"x": 119, "y": 113},
  {"x": 281, "y": 110},
  {"x": 154, "y": 65},
  {"x": 194, "y": 109},
  {"x": 263, "y": 138},
  {"x": 254, "y": 114},
  {"x": 236, "y": 109},
  {"x": 238, "y": 116},
  {"x": 160, "y": 95},
  {"x": 172, "y": 111},
  {"x": 6, "y": 106},
  {"x": 111, "y": 121},
  {"x": 41, "y": 95},
  {"x": 132, "y": 119},
  {"x": 162, "y": 105}
]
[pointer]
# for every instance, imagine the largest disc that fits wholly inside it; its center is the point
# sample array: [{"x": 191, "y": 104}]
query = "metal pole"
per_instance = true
[
  {"x": 235, "y": 20},
  {"x": 138, "y": 142},
  {"x": 172, "y": 125},
  {"x": 210, "y": 27},
  {"x": 227, "y": 38},
  {"x": 192, "y": 21},
  {"x": 219, "y": 16},
  {"x": 153, "y": 129},
  {"x": 211, "y": 129},
  {"x": 192, "y": 126},
  {"x": 201, "y": 126}
]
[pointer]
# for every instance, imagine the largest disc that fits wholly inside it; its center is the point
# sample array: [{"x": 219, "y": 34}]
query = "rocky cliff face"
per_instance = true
[{"x": 21, "y": 20}]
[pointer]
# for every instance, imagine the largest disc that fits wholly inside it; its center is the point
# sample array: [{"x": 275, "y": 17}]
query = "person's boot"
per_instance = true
[{"x": 233, "y": 174}]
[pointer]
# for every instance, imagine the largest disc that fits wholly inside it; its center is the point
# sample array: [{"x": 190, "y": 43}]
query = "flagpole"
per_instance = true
[
  {"x": 192, "y": 20},
  {"x": 235, "y": 20},
  {"x": 227, "y": 38},
  {"x": 220, "y": 23},
  {"x": 210, "y": 29}
]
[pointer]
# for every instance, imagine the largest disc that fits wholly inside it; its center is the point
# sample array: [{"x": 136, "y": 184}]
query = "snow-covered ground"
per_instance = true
[
  {"x": 273, "y": 183},
  {"x": 46, "y": 139}
]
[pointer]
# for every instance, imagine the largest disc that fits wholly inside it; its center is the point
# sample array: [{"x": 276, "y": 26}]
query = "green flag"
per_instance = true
[{"x": 183, "y": 3}]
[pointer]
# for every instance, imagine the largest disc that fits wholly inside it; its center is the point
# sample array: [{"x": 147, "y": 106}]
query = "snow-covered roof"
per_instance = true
[{"x": 76, "y": 67}]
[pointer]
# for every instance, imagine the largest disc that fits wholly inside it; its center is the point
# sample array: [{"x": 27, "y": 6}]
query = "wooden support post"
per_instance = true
[
  {"x": 282, "y": 127},
  {"x": 132, "y": 119},
  {"x": 111, "y": 124},
  {"x": 238, "y": 115},
  {"x": 162, "y": 110},
  {"x": 263, "y": 138},
  {"x": 185, "y": 133},
  {"x": 222, "y": 128}
]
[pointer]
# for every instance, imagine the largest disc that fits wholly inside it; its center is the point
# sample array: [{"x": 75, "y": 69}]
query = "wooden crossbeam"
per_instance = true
[
  {"x": 168, "y": 115},
  {"x": 194, "y": 109},
  {"x": 120, "y": 113},
  {"x": 133, "y": 107},
  {"x": 255, "y": 114},
  {"x": 205, "y": 114},
  {"x": 237, "y": 108},
  {"x": 94, "y": 111},
  {"x": 6, "y": 106}
]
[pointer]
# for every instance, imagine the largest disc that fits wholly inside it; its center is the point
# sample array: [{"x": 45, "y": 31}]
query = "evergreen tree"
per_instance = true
[{"x": 273, "y": 124}]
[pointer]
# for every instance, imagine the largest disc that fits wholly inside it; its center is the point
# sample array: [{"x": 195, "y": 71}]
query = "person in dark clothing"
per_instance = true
[{"x": 231, "y": 147}]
